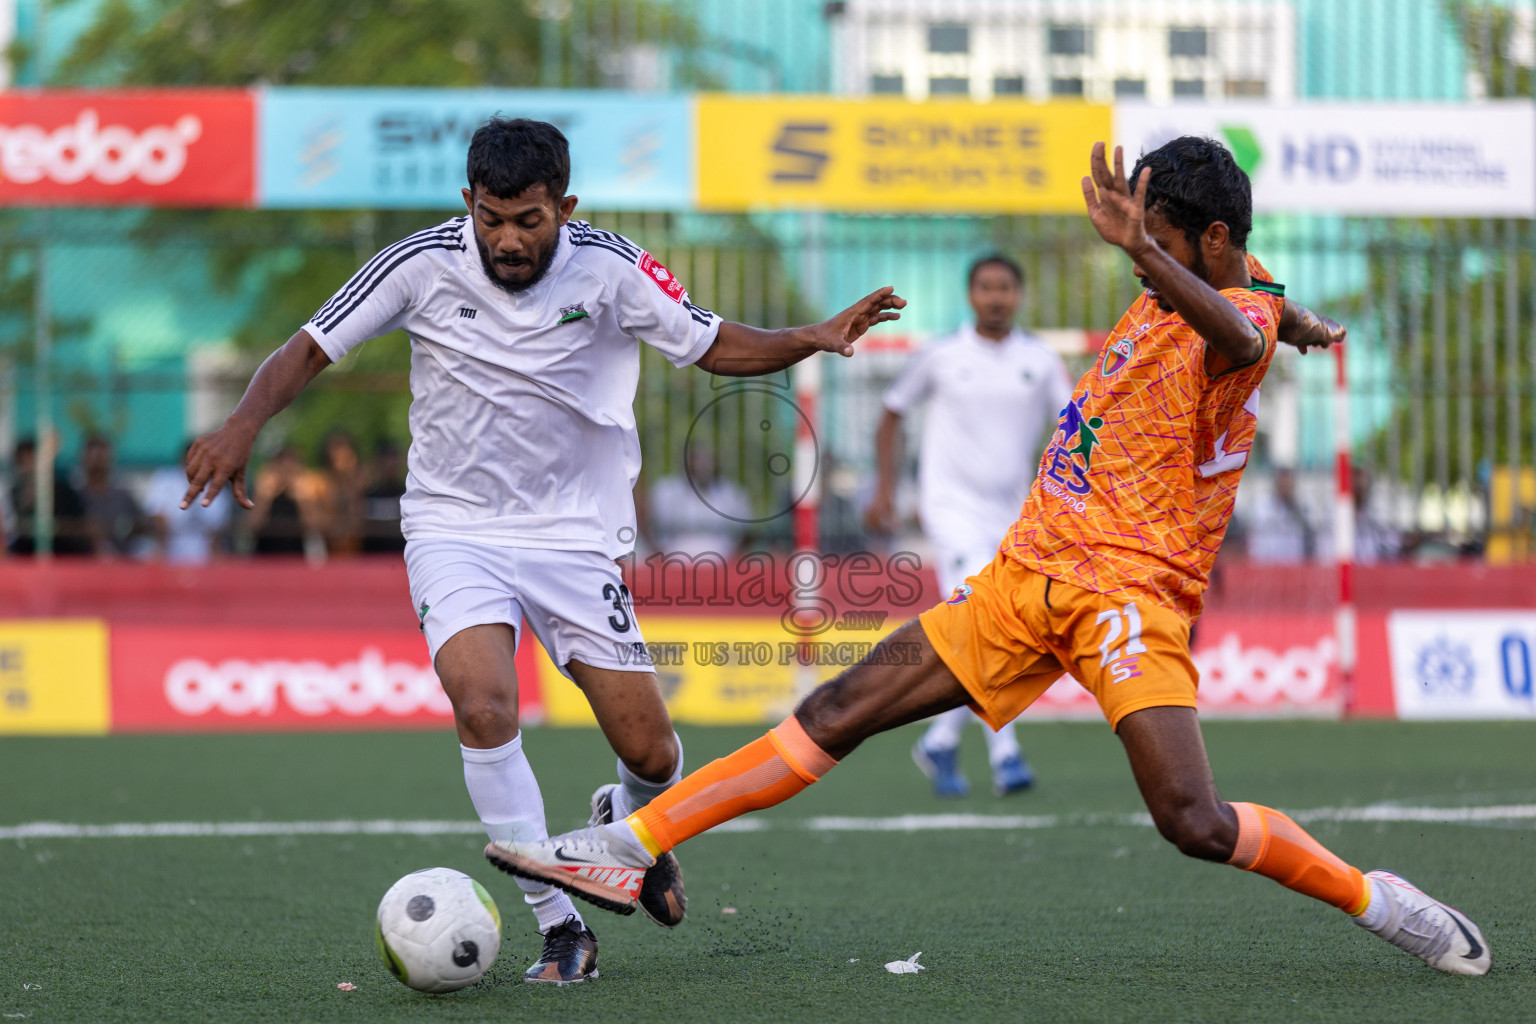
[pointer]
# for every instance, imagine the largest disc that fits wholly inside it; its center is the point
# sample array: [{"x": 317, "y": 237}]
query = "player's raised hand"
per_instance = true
[
  {"x": 840, "y": 332},
  {"x": 216, "y": 459},
  {"x": 1305, "y": 329},
  {"x": 1117, "y": 213}
]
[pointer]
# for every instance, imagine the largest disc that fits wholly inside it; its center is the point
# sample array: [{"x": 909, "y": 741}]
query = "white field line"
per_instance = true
[{"x": 900, "y": 823}]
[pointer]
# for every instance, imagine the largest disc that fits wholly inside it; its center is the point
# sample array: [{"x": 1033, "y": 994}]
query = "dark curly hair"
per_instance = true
[
  {"x": 510, "y": 155},
  {"x": 1195, "y": 182}
]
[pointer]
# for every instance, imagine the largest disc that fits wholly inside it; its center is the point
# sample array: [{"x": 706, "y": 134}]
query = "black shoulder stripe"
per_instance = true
[
  {"x": 370, "y": 269},
  {"x": 699, "y": 313},
  {"x": 336, "y": 316},
  {"x": 599, "y": 244},
  {"x": 1272, "y": 287}
]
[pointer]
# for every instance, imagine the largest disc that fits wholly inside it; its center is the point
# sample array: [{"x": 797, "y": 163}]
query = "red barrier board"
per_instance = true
[
  {"x": 189, "y": 679},
  {"x": 159, "y": 147}
]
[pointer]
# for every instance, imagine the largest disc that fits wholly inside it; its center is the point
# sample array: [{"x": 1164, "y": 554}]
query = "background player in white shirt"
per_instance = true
[
  {"x": 990, "y": 391},
  {"x": 524, "y": 360}
]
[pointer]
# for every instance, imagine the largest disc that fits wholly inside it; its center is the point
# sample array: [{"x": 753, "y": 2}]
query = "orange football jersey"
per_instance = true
[{"x": 1136, "y": 487}]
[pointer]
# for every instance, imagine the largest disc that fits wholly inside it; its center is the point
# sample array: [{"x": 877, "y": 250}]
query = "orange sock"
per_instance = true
[
  {"x": 767, "y": 771},
  {"x": 1276, "y": 847}
]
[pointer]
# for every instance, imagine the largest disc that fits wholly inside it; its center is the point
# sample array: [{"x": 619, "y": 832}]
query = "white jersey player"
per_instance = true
[
  {"x": 990, "y": 391},
  {"x": 525, "y": 328}
]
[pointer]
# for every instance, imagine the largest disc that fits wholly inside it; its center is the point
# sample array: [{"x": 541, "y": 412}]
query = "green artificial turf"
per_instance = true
[{"x": 1081, "y": 921}]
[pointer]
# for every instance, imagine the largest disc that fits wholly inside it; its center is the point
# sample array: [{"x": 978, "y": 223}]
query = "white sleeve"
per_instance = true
[
  {"x": 653, "y": 307},
  {"x": 1061, "y": 385},
  {"x": 378, "y": 298},
  {"x": 914, "y": 385}
]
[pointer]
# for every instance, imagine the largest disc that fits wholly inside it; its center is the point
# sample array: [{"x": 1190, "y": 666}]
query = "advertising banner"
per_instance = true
[
  {"x": 744, "y": 671},
  {"x": 405, "y": 148},
  {"x": 891, "y": 155},
  {"x": 177, "y": 679},
  {"x": 161, "y": 147},
  {"x": 1463, "y": 664},
  {"x": 1381, "y": 159},
  {"x": 53, "y": 676}
]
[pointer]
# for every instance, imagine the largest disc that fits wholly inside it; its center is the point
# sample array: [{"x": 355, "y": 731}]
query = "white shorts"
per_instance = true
[{"x": 575, "y": 602}]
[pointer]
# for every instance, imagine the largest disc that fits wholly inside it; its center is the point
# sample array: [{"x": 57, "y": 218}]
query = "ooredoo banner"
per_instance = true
[
  {"x": 164, "y": 147},
  {"x": 173, "y": 679}
]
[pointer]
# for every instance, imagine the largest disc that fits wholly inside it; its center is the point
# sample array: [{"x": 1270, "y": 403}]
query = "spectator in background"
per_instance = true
[
  {"x": 1375, "y": 541},
  {"x": 71, "y": 529},
  {"x": 184, "y": 537},
  {"x": 1281, "y": 531},
  {"x": 381, "y": 502},
  {"x": 111, "y": 511},
  {"x": 698, "y": 511},
  {"x": 342, "y": 482},
  {"x": 288, "y": 516}
]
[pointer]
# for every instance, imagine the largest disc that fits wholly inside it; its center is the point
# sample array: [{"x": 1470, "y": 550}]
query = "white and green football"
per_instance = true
[{"x": 438, "y": 930}]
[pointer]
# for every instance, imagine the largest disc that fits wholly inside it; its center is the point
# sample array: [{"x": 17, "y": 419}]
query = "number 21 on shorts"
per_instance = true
[{"x": 1121, "y": 661}]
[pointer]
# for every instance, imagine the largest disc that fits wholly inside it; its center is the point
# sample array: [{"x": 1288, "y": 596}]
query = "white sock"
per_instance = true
[
  {"x": 1380, "y": 907},
  {"x": 506, "y": 796},
  {"x": 944, "y": 732},
  {"x": 1001, "y": 745},
  {"x": 634, "y": 792}
]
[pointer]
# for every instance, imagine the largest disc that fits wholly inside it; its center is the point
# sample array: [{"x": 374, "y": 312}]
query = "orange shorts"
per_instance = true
[{"x": 1016, "y": 632}]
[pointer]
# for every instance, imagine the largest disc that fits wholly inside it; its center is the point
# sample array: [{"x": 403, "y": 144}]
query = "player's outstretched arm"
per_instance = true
[
  {"x": 743, "y": 351},
  {"x": 1301, "y": 327},
  {"x": 1119, "y": 215},
  {"x": 219, "y": 457}
]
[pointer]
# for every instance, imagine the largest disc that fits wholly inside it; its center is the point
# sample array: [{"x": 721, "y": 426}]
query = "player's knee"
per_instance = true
[
  {"x": 1197, "y": 831},
  {"x": 655, "y": 762},
  {"x": 486, "y": 721}
]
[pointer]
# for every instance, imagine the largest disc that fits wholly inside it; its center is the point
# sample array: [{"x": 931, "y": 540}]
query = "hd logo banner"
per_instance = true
[
  {"x": 891, "y": 155},
  {"x": 1381, "y": 159}
]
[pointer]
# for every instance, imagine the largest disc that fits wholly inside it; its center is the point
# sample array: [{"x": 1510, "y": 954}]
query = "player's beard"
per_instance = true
[
  {"x": 541, "y": 264},
  {"x": 1200, "y": 270}
]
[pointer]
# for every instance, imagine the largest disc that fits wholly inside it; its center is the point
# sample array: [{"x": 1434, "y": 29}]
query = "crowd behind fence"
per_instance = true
[{"x": 1442, "y": 352}]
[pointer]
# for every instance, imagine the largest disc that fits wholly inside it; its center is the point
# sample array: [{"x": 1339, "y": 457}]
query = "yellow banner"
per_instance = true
[
  {"x": 892, "y": 155},
  {"x": 729, "y": 671},
  {"x": 53, "y": 676}
]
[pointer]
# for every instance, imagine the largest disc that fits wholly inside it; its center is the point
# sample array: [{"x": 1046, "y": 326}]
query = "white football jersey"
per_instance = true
[
  {"x": 988, "y": 404},
  {"x": 522, "y": 405}
]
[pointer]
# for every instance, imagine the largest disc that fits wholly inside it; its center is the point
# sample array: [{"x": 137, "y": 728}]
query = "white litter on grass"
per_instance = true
[
  {"x": 854, "y": 960},
  {"x": 899, "y": 823},
  {"x": 907, "y": 966}
]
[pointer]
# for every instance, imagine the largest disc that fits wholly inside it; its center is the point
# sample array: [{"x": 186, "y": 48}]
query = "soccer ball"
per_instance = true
[{"x": 438, "y": 930}]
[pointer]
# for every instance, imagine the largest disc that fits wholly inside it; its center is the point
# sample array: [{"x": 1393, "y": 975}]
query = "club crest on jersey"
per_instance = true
[
  {"x": 961, "y": 595},
  {"x": 570, "y": 314},
  {"x": 1117, "y": 353}
]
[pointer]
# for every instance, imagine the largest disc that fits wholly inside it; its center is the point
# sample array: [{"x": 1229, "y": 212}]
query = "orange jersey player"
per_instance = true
[{"x": 1100, "y": 578}]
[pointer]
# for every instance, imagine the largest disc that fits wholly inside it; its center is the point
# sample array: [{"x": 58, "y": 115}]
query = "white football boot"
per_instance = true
[
  {"x": 1435, "y": 933},
  {"x": 599, "y": 865}
]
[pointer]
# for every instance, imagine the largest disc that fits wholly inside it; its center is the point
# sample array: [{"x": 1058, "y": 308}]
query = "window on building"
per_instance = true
[
  {"x": 1071, "y": 40},
  {"x": 1247, "y": 88},
  {"x": 949, "y": 85},
  {"x": 949, "y": 37},
  {"x": 1008, "y": 85},
  {"x": 887, "y": 85},
  {"x": 1130, "y": 87},
  {"x": 1066, "y": 87},
  {"x": 1192, "y": 88},
  {"x": 1187, "y": 42}
]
